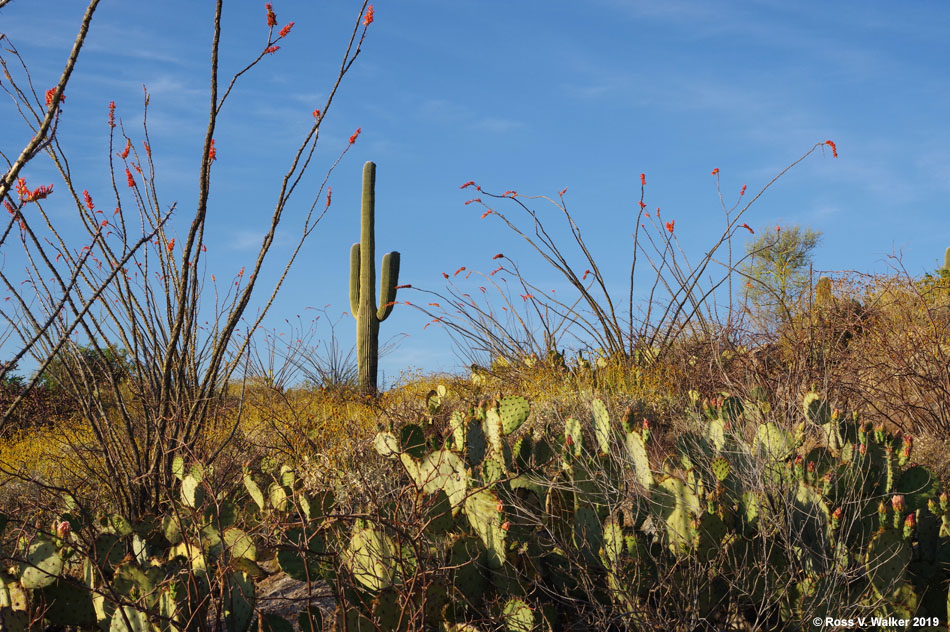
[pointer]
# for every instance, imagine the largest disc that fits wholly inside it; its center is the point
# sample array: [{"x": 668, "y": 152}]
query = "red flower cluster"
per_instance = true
[
  {"x": 284, "y": 31},
  {"x": 88, "y": 199},
  {"x": 131, "y": 180},
  {"x": 271, "y": 16},
  {"x": 355, "y": 135},
  {"x": 746, "y": 226},
  {"x": 35, "y": 195},
  {"x": 834, "y": 149},
  {"x": 212, "y": 152},
  {"x": 368, "y": 18},
  {"x": 270, "y": 50},
  {"x": 49, "y": 97},
  {"x": 643, "y": 179},
  {"x": 111, "y": 113},
  {"x": 467, "y": 184},
  {"x": 669, "y": 226},
  {"x": 715, "y": 171},
  {"x": 125, "y": 152}
]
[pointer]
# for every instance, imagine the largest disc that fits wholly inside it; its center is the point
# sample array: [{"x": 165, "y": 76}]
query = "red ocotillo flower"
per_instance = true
[
  {"x": 669, "y": 226},
  {"x": 498, "y": 256},
  {"x": 284, "y": 31},
  {"x": 834, "y": 148},
  {"x": 467, "y": 184},
  {"x": 368, "y": 18},
  {"x": 746, "y": 226},
  {"x": 715, "y": 171},
  {"x": 271, "y": 16},
  {"x": 643, "y": 179},
  {"x": 355, "y": 135},
  {"x": 88, "y": 200}
]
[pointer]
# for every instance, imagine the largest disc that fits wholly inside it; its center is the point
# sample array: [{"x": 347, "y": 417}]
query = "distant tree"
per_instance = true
[{"x": 776, "y": 271}]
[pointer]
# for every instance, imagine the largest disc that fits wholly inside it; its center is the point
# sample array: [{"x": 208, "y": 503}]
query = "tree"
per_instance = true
[{"x": 776, "y": 271}]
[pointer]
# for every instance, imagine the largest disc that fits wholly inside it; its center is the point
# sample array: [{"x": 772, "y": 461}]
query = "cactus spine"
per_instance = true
[{"x": 363, "y": 284}]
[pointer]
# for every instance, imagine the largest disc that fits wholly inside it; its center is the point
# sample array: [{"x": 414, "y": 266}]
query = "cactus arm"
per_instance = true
[
  {"x": 946, "y": 260},
  {"x": 387, "y": 285},
  {"x": 355, "y": 280}
]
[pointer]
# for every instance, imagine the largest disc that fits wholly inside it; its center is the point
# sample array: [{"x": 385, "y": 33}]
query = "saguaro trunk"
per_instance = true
[{"x": 363, "y": 284}]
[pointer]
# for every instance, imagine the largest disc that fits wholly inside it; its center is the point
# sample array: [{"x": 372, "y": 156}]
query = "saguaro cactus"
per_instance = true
[
  {"x": 363, "y": 284},
  {"x": 823, "y": 292}
]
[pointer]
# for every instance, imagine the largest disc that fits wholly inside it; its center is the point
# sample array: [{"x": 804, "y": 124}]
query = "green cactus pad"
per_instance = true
[
  {"x": 443, "y": 469},
  {"x": 482, "y": 510},
  {"x": 178, "y": 467},
  {"x": 710, "y": 535},
  {"x": 68, "y": 604},
  {"x": 190, "y": 492},
  {"x": 613, "y": 544},
  {"x": 465, "y": 561},
  {"x": 129, "y": 619},
  {"x": 239, "y": 611},
  {"x": 720, "y": 468},
  {"x": 412, "y": 441},
  {"x": 277, "y": 496},
  {"x": 521, "y": 452},
  {"x": 517, "y": 616},
  {"x": 573, "y": 437},
  {"x": 676, "y": 505},
  {"x": 638, "y": 455},
  {"x": 459, "y": 427},
  {"x": 131, "y": 581},
  {"x": 386, "y": 445},
  {"x": 240, "y": 544},
  {"x": 601, "y": 425},
  {"x": 310, "y": 620},
  {"x": 715, "y": 433},
  {"x": 42, "y": 566},
  {"x": 816, "y": 409},
  {"x": 918, "y": 485},
  {"x": 438, "y": 513},
  {"x": 386, "y": 610},
  {"x": 370, "y": 556},
  {"x": 493, "y": 470},
  {"x": 476, "y": 444},
  {"x": 513, "y": 411},
  {"x": 772, "y": 442},
  {"x": 253, "y": 490},
  {"x": 886, "y": 561},
  {"x": 588, "y": 534},
  {"x": 731, "y": 409}
]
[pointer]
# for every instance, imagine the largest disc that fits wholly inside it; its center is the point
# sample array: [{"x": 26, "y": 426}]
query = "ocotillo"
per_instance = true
[{"x": 363, "y": 284}]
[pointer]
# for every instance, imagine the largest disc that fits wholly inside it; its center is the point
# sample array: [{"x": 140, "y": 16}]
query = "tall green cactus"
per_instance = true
[
  {"x": 945, "y": 270},
  {"x": 363, "y": 284}
]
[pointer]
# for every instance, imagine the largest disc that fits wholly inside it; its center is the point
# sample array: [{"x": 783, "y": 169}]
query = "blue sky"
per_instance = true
[{"x": 524, "y": 96}]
